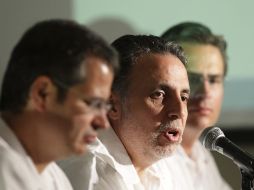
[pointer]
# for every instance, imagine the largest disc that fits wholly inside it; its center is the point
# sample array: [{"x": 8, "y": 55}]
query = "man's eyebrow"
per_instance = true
[
  {"x": 164, "y": 86},
  {"x": 216, "y": 75},
  {"x": 187, "y": 91},
  {"x": 193, "y": 73},
  {"x": 200, "y": 75},
  {"x": 98, "y": 99},
  {"x": 167, "y": 88}
]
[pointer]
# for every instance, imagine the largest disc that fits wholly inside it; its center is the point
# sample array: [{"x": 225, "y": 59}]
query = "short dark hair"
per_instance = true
[
  {"x": 132, "y": 47},
  {"x": 53, "y": 48},
  {"x": 192, "y": 32}
]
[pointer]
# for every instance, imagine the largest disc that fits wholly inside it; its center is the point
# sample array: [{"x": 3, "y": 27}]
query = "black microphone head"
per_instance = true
[{"x": 209, "y": 137}]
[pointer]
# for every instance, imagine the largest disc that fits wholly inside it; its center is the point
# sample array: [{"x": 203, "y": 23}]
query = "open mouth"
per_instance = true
[{"x": 172, "y": 135}]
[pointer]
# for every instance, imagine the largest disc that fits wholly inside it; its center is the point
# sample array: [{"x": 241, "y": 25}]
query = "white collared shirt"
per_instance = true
[
  {"x": 107, "y": 166},
  {"x": 17, "y": 170},
  {"x": 198, "y": 172},
  {"x": 54, "y": 178}
]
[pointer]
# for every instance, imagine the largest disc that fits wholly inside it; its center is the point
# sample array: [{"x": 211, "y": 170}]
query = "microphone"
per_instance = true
[{"x": 214, "y": 139}]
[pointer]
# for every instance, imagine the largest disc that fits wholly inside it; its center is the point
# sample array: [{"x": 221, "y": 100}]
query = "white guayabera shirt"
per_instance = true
[
  {"x": 17, "y": 171},
  {"x": 198, "y": 172},
  {"x": 107, "y": 166}
]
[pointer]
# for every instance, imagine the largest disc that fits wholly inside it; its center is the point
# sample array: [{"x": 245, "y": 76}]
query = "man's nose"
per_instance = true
[
  {"x": 101, "y": 120},
  {"x": 202, "y": 91},
  {"x": 177, "y": 108}
]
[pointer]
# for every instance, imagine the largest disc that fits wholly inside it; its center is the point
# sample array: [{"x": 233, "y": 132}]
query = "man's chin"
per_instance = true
[
  {"x": 162, "y": 152},
  {"x": 79, "y": 149},
  {"x": 200, "y": 124}
]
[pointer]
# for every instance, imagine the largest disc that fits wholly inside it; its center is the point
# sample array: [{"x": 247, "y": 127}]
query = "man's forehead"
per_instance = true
[
  {"x": 159, "y": 68},
  {"x": 206, "y": 71},
  {"x": 94, "y": 64},
  {"x": 157, "y": 60},
  {"x": 204, "y": 59}
]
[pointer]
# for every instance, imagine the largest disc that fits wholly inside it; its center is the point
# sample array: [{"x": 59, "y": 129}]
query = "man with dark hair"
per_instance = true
[
  {"x": 54, "y": 97},
  {"x": 207, "y": 67},
  {"x": 148, "y": 116}
]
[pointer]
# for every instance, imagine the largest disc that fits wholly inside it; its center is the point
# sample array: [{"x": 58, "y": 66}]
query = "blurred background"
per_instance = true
[{"x": 113, "y": 18}]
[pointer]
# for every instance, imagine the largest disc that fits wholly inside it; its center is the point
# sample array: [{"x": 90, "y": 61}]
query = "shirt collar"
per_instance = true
[
  {"x": 8, "y": 135},
  {"x": 198, "y": 156},
  {"x": 13, "y": 143},
  {"x": 110, "y": 149}
]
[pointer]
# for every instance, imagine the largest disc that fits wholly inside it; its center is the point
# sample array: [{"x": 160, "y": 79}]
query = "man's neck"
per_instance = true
[
  {"x": 28, "y": 137},
  {"x": 41, "y": 166},
  {"x": 190, "y": 136},
  {"x": 141, "y": 164},
  {"x": 140, "y": 161}
]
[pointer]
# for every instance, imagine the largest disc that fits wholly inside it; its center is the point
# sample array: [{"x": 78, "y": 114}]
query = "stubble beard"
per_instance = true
[
  {"x": 151, "y": 147},
  {"x": 161, "y": 151}
]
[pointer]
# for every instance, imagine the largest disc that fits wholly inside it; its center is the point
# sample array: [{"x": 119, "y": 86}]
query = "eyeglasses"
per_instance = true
[
  {"x": 94, "y": 103},
  {"x": 98, "y": 104}
]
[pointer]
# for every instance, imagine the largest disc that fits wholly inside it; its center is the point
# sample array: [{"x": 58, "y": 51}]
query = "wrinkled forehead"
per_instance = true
[
  {"x": 158, "y": 68},
  {"x": 156, "y": 63}
]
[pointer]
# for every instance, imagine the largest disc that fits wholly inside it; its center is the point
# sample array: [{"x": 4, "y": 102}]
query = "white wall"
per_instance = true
[{"x": 17, "y": 15}]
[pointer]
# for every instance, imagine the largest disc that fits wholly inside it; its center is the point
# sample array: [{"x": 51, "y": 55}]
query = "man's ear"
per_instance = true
[
  {"x": 41, "y": 92},
  {"x": 115, "y": 112}
]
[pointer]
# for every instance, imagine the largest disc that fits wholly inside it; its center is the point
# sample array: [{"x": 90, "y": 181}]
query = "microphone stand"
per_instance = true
[{"x": 247, "y": 180}]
